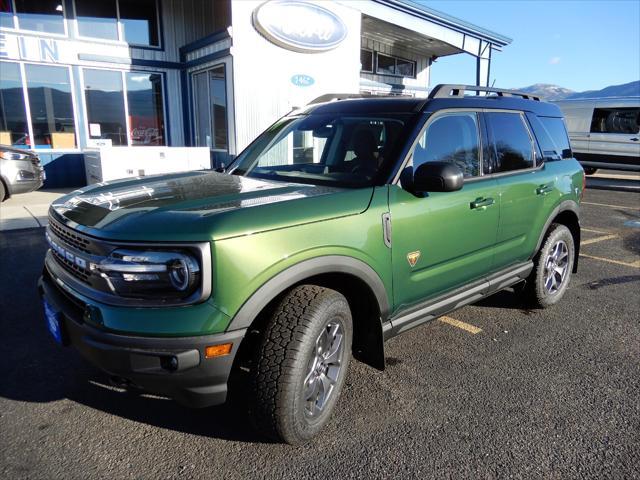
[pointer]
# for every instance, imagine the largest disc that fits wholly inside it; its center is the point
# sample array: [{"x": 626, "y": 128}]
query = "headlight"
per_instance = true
[
  {"x": 170, "y": 275},
  {"x": 8, "y": 155}
]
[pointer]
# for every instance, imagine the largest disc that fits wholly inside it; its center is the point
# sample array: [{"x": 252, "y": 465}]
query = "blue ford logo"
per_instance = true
[
  {"x": 302, "y": 80},
  {"x": 300, "y": 26}
]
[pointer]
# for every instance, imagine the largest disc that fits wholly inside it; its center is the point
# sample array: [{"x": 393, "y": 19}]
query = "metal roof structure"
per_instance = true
[{"x": 422, "y": 11}]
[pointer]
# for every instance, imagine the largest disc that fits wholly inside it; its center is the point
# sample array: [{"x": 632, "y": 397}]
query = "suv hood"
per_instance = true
[{"x": 201, "y": 206}]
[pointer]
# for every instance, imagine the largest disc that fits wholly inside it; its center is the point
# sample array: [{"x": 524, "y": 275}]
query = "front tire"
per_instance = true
[
  {"x": 301, "y": 364},
  {"x": 553, "y": 264}
]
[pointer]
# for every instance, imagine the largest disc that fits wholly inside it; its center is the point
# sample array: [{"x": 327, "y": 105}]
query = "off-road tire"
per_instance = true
[
  {"x": 288, "y": 345},
  {"x": 536, "y": 293}
]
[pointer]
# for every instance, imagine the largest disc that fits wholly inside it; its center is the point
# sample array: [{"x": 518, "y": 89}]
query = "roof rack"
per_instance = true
[
  {"x": 330, "y": 97},
  {"x": 448, "y": 91}
]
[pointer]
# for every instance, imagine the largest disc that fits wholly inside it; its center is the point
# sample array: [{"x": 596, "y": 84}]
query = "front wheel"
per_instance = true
[
  {"x": 550, "y": 277},
  {"x": 301, "y": 364}
]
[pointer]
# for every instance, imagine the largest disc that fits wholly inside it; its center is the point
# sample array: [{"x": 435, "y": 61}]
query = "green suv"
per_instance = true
[{"x": 344, "y": 224}]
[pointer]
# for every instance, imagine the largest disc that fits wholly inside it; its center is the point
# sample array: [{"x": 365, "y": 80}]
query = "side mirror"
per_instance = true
[{"x": 437, "y": 177}]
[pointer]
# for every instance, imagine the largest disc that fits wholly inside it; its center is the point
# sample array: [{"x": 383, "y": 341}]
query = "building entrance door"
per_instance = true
[{"x": 210, "y": 109}]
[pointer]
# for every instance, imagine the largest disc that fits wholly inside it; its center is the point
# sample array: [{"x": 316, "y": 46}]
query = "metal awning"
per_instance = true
[{"x": 405, "y": 39}]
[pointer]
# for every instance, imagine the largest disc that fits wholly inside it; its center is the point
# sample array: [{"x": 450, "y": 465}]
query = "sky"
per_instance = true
[{"x": 580, "y": 45}]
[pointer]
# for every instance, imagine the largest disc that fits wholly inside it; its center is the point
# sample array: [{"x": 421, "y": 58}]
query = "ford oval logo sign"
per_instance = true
[
  {"x": 301, "y": 80},
  {"x": 300, "y": 26}
]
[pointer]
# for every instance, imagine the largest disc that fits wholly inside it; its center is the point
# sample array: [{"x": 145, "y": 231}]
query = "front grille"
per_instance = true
[
  {"x": 78, "y": 272},
  {"x": 69, "y": 237}
]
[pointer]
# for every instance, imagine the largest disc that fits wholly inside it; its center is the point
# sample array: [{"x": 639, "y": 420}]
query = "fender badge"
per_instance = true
[{"x": 412, "y": 257}]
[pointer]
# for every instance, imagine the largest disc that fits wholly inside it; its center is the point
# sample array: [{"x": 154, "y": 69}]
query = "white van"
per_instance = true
[{"x": 604, "y": 132}]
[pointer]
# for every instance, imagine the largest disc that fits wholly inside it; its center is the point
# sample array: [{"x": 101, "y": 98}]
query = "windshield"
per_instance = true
[{"x": 330, "y": 149}]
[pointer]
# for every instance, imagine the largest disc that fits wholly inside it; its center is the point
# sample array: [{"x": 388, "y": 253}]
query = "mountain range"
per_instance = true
[{"x": 555, "y": 92}]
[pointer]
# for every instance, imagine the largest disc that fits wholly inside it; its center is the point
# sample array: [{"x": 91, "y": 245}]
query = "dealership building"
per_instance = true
[{"x": 123, "y": 86}]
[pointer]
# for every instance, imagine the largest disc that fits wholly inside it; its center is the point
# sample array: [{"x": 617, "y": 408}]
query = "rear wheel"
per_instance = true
[
  {"x": 550, "y": 277},
  {"x": 302, "y": 364}
]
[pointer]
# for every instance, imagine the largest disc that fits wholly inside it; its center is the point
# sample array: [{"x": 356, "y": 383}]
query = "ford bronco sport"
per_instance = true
[{"x": 344, "y": 224}]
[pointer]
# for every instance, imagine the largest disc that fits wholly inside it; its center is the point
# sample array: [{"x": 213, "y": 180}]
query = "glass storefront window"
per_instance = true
[
  {"x": 97, "y": 19},
  {"x": 104, "y": 95},
  {"x": 51, "y": 107},
  {"x": 14, "y": 129},
  {"x": 146, "y": 116},
  {"x": 6, "y": 14},
  {"x": 40, "y": 15},
  {"x": 140, "y": 22}
]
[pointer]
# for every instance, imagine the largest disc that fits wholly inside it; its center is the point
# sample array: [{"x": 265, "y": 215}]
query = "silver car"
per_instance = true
[
  {"x": 604, "y": 132},
  {"x": 20, "y": 171}
]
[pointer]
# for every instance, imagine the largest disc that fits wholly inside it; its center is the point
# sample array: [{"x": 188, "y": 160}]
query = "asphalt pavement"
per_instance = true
[{"x": 523, "y": 394}]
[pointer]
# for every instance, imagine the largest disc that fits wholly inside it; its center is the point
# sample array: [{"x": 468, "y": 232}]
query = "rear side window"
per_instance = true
[
  {"x": 451, "y": 137},
  {"x": 553, "y": 138},
  {"x": 510, "y": 141},
  {"x": 616, "y": 120}
]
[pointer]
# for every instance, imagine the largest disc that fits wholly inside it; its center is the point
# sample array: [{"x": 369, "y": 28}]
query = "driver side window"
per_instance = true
[{"x": 451, "y": 137}]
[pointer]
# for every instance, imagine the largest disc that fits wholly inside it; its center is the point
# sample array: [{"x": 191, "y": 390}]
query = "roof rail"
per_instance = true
[
  {"x": 330, "y": 97},
  {"x": 448, "y": 91}
]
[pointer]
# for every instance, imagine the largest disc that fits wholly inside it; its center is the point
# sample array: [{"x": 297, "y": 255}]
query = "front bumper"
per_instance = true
[{"x": 174, "y": 367}]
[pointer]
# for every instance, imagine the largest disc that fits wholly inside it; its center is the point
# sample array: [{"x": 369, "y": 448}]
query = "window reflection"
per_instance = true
[
  {"x": 105, "y": 106},
  {"x": 513, "y": 150},
  {"x": 219, "y": 107},
  {"x": 51, "y": 107},
  {"x": 139, "y": 22},
  {"x": 451, "y": 138},
  {"x": 210, "y": 105},
  {"x": 146, "y": 116},
  {"x": 6, "y": 14},
  {"x": 40, "y": 15},
  {"x": 13, "y": 117},
  {"x": 97, "y": 19}
]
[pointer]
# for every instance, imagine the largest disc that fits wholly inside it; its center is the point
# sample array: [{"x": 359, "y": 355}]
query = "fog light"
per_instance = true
[{"x": 218, "y": 350}]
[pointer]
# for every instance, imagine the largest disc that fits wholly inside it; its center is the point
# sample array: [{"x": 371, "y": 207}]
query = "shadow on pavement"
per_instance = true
[{"x": 36, "y": 369}]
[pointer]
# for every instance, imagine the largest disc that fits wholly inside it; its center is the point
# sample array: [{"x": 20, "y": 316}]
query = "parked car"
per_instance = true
[
  {"x": 604, "y": 132},
  {"x": 20, "y": 172},
  {"x": 264, "y": 280}
]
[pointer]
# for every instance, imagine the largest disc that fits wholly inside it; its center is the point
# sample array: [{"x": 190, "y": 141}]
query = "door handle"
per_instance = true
[
  {"x": 634, "y": 139},
  {"x": 482, "y": 203},
  {"x": 544, "y": 189}
]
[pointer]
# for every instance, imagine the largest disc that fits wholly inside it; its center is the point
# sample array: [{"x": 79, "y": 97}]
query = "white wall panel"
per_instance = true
[{"x": 263, "y": 71}]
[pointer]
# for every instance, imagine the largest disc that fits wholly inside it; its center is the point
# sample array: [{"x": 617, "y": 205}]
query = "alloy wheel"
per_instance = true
[
  {"x": 324, "y": 368},
  {"x": 556, "y": 266}
]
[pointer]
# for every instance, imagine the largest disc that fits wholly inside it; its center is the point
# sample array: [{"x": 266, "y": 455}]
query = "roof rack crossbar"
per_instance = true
[
  {"x": 448, "y": 91},
  {"x": 330, "y": 97}
]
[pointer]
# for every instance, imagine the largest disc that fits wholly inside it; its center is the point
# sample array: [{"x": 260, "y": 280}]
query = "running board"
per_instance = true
[{"x": 434, "y": 308}]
